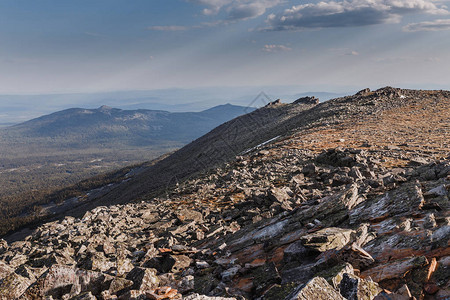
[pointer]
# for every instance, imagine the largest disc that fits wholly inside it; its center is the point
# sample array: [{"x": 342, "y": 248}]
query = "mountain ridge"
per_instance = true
[{"x": 140, "y": 122}]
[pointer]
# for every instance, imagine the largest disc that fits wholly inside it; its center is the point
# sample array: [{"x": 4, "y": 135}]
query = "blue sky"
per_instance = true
[{"x": 67, "y": 46}]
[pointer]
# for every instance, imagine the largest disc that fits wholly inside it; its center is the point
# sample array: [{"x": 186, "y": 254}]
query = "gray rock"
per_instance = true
[
  {"x": 265, "y": 276},
  {"x": 186, "y": 284},
  {"x": 310, "y": 170},
  {"x": 307, "y": 100},
  {"x": 84, "y": 296},
  {"x": 280, "y": 194},
  {"x": 143, "y": 279},
  {"x": 203, "y": 297},
  {"x": 13, "y": 286},
  {"x": 327, "y": 239},
  {"x": 437, "y": 191},
  {"x": 352, "y": 287},
  {"x": 401, "y": 201},
  {"x": 316, "y": 289},
  {"x": 228, "y": 274},
  {"x": 333, "y": 209},
  {"x": 295, "y": 252},
  {"x": 5, "y": 270},
  {"x": 60, "y": 280},
  {"x": 441, "y": 237}
]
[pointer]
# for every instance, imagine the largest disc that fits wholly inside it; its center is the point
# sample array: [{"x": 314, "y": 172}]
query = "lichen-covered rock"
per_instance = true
[
  {"x": 119, "y": 284},
  {"x": 61, "y": 280},
  {"x": 332, "y": 209},
  {"x": 84, "y": 296},
  {"x": 317, "y": 289},
  {"x": 335, "y": 274},
  {"x": 265, "y": 276},
  {"x": 404, "y": 200},
  {"x": 205, "y": 284},
  {"x": 203, "y": 297},
  {"x": 13, "y": 286},
  {"x": 327, "y": 239},
  {"x": 5, "y": 270},
  {"x": 352, "y": 287},
  {"x": 143, "y": 279}
]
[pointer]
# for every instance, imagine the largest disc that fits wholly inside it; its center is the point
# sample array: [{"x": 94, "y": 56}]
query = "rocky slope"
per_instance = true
[{"x": 350, "y": 201}]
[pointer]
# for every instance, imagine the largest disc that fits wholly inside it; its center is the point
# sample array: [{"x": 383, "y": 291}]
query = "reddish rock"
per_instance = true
[
  {"x": 163, "y": 293},
  {"x": 395, "y": 269},
  {"x": 431, "y": 288}
]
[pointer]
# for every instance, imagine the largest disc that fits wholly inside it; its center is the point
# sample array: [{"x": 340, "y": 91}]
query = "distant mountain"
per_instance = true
[
  {"x": 20, "y": 108},
  {"x": 106, "y": 126}
]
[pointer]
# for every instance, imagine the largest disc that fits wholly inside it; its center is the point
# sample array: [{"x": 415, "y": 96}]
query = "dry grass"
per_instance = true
[{"x": 422, "y": 127}]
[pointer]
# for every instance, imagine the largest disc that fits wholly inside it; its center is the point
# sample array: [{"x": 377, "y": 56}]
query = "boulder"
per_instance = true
[
  {"x": 307, "y": 100},
  {"x": 13, "y": 285},
  {"x": 187, "y": 215},
  {"x": 402, "y": 201},
  {"x": 5, "y": 270},
  {"x": 333, "y": 209},
  {"x": 265, "y": 276},
  {"x": 352, "y": 287},
  {"x": 327, "y": 239},
  {"x": 84, "y": 296},
  {"x": 61, "y": 280},
  {"x": 395, "y": 269},
  {"x": 143, "y": 279},
  {"x": 280, "y": 194},
  {"x": 316, "y": 289},
  {"x": 335, "y": 274}
]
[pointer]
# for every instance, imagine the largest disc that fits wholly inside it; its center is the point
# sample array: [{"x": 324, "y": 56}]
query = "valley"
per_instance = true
[{"x": 46, "y": 155}]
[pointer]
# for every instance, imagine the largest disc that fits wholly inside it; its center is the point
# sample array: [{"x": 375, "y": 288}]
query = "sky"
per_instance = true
[{"x": 83, "y": 46}]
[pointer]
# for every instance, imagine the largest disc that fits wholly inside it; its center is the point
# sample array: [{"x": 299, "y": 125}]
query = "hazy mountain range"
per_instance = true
[
  {"x": 15, "y": 109},
  {"x": 106, "y": 127}
]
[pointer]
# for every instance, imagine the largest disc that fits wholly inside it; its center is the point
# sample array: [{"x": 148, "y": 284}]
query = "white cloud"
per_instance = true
[
  {"x": 275, "y": 48},
  {"x": 441, "y": 24},
  {"x": 167, "y": 28},
  {"x": 237, "y": 10},
  {"x": 349, "y": 13}
]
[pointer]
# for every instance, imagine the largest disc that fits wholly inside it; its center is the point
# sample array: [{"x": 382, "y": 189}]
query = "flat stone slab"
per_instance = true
[{"x": 327, "y": 239}]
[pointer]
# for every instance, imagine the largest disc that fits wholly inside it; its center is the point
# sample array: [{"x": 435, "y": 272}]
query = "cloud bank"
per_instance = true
[
  {"x": 349, "y": 13},
  {"x": 436, "y": 25}
]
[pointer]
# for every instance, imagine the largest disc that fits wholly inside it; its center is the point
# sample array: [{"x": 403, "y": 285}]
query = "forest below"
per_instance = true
[{"x": 63, "y": 155}]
